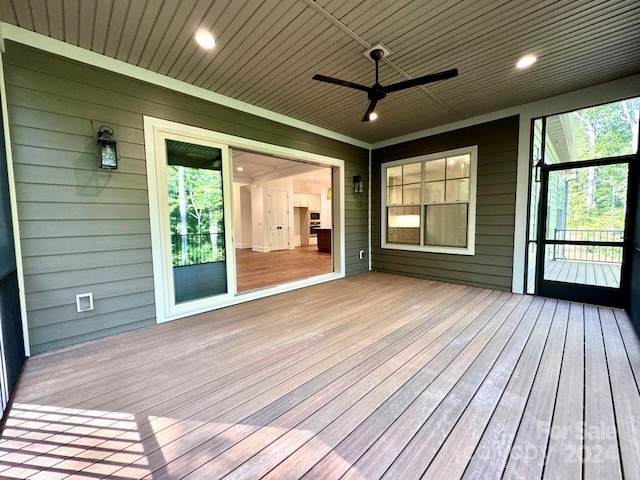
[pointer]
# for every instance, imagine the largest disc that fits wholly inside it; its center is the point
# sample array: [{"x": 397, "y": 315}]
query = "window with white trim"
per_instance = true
[{"x": 428, "y": 202}]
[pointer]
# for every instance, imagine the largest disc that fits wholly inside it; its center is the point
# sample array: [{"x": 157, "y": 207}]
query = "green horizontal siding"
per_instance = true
[
  {"x": 492, "y": 264},
  {"x": 87, "y": 230}
]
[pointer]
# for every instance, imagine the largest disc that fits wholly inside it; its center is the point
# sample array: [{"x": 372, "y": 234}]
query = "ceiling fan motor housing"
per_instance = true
[{"x": 377, "y": 92}]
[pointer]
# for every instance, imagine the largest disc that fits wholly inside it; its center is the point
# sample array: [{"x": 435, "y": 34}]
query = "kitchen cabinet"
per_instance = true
[
  {"x": 311, "y": 201},
  {"x": 300, "y": 200},
  {"x": 408, "y": 236},
  {"x": 392, "y": 235},
  {"x": 324, "y": 239},
  {"x": 315, "y": 202}
]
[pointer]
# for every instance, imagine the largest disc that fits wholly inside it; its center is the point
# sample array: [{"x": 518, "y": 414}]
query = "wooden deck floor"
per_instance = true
[
  {"x": 585, "y": 273},
  {"x": 373, "y": 376}
]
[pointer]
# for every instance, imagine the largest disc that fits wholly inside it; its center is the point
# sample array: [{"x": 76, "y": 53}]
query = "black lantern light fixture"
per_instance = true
[
  {"x": 107, "y": 146},
  {"x": 358, "y": 184}
]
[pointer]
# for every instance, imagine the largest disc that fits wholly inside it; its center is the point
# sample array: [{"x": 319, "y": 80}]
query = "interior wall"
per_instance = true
[
  {"x": 325, "y": 211},
  {"x": 237, "y": 215},
  {"x": 492, "y": 264},
  {"x": 246, "y": 218},
  {"x": 87, "y": 230}
]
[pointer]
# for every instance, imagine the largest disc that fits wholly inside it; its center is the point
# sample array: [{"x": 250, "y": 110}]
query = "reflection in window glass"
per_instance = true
[
  {"x": 437, "y": 190},
  {"x": 458, "y": 167},
  {"x": 434, "y": 192},
  {"x": 458, "y": 190},
  {"x": 446, "y": 225},
  {"x": 196, "y": 220}
]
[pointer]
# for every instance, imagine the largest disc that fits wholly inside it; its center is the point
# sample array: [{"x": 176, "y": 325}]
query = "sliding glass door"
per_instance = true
[
  {"x": 210, "y": 218},
  {"x": 195, "y": 202},
  {"x": 193, "y": 244}
]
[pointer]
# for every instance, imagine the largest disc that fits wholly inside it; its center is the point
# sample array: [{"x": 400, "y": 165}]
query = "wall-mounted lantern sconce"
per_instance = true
[
  {"x": 107, "y": 145},
  {"x": 358, "y": 184}
]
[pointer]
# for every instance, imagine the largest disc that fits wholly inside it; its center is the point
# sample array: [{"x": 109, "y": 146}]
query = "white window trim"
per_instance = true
[{"x": 471, "y": 218}]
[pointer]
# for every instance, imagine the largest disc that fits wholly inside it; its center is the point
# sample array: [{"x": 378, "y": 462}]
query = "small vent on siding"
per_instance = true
[{"x": 84, "y": 302}]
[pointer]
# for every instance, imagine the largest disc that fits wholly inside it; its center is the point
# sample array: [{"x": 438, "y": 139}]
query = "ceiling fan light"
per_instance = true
[
  {"x": 205, "y": 39},
  {"x": 373, "y": 116},
  {"x": 526, "y": 61}
]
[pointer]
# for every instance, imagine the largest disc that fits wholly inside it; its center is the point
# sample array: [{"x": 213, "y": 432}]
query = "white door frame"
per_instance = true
[
  {"x": 166, "y": 307},
  {"x": 155, "y": 132}
]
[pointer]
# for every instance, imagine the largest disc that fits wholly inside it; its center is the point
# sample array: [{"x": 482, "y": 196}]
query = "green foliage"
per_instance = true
[
  {"x": 607, "y": 206},
  {"x": 597, "y": 195},
  {"x": 202, "y": 232}
]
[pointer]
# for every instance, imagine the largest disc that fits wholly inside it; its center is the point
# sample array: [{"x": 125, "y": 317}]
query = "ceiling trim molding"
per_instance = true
[{"x": 63, "y": 49}]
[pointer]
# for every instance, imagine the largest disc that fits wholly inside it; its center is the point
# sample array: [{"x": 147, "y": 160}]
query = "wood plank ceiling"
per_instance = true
[{"x": 268, "y": 50}]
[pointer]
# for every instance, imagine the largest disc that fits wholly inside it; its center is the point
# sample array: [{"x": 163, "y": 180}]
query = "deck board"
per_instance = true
[
  {"x": 527, "y": 456},
  {"x": 599, "y": 416},
  {"x": 584, "y": 273},
  {"x": 371, "y": 376},
  {"x": 565, "y": 437}
]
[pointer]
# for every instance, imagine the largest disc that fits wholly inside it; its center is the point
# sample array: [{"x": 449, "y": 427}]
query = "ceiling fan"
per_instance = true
[{"x": 378, "y": 92}]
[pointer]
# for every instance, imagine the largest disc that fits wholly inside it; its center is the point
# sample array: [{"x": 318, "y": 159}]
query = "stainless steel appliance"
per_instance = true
[{"x": 314, "y": 223}]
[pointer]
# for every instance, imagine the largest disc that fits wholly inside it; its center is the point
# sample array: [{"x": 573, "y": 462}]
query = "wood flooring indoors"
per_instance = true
[
  {"x": 258, "y": 270},
  {"x": 373, "y": 376}
]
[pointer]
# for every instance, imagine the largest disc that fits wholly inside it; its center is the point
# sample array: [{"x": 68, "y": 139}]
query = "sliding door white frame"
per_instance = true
[{"x": 156, "y": 131}]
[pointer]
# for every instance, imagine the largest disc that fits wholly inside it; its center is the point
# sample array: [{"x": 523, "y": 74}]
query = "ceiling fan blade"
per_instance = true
[
  {"x": 370, "y": 109},
  {"x": 343, "y": 83},
  {"x": 414, "y": 82}
]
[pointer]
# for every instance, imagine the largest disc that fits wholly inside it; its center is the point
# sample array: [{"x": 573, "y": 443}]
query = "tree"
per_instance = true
[
  {"x": 195, "y": 214},
  {"x": 598, "y": 194}
]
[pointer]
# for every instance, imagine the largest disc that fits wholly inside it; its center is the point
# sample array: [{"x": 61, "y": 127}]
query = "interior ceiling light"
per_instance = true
[
  {"x": 240, "y": 169},
  {"x": 205, "y": 39},
  {"x": 526, "y": 61},
  {"x": 373, "y": 116}
]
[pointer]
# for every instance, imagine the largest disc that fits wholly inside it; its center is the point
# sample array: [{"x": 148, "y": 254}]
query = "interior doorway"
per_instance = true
[
  {"x": 280, "y": 206},
  {"x": 579, "y": 204}
]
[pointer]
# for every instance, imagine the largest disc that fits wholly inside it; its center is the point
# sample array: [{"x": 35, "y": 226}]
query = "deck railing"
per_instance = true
[
  {"x": 588, "y": 253},
  {"x": 194, "y": 249}
]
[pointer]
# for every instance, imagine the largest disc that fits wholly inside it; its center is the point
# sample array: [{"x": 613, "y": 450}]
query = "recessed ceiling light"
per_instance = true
[
  {"x": 205, "y": 39},
  {"x": 526, "y": 61},
  {"x": 310, "y": 177},
  {"x": 240, "y": 169},
  {"x": 373, "y": 116}
]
